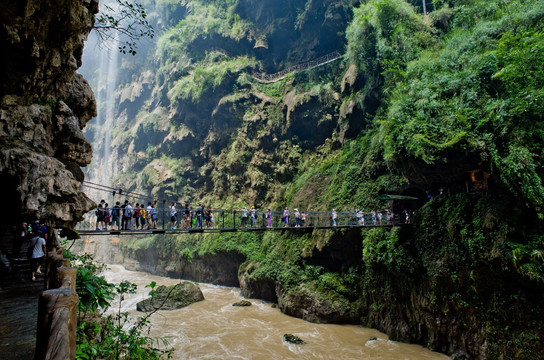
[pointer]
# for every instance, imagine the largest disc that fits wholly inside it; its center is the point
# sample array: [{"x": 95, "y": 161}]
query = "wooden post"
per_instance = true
[
  {"x": 65, "y": 277},
  {"x": 54, "y": 261},
  {"x": 57, "y": 322}
]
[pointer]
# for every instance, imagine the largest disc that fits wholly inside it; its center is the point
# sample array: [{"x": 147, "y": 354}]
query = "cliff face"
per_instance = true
[
  {"x": 44, "y": 107},
  {"x": 416, "y": 104},
  {"x": 192, "y": 124}
]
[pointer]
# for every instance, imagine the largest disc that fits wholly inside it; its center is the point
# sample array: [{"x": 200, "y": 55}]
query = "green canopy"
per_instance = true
[{"x": 396, "y": 197}]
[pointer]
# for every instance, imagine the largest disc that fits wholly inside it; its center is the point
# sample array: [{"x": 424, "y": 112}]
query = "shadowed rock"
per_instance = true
[{"x": 242, "y": 303}]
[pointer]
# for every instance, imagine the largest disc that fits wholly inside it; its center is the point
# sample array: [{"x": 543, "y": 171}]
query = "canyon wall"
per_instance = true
[{"x": 44, "y": 107}]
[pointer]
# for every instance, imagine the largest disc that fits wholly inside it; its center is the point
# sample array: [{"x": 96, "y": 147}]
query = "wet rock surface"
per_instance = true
[
  {"x": 172, "y": 297},
  {"x": 242, "y": 303},
  {"x": 293, "y": 339}
]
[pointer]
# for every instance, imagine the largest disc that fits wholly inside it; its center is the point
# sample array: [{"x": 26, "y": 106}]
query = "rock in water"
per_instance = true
[
  {"x": 293, "y": 339},
  {"x": 242, "y": 303},
  {"x": 172, "y": 297}
]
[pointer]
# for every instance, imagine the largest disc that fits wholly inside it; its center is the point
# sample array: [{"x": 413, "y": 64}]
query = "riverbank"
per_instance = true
[{"x": 215, "y": 329}]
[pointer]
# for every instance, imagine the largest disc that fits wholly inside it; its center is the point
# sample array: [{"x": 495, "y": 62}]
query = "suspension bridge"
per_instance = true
[{"x": 206, "y": 220}]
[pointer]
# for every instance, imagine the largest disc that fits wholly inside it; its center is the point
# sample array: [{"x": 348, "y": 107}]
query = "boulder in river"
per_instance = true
[
  {"x": 293, "y": 339},
  {"x": 172, "y": 297},
  {"x": 242, "y": 303}
]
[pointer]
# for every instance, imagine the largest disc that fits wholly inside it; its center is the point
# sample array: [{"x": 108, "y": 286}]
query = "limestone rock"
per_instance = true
[
  {"x": 307, "y": 304},
  {"x": 242, "y": 303},
  {"x": 172, "y": 297},
  {"x": 44, "y": 106},
  {"x": 293, "y": 339}
]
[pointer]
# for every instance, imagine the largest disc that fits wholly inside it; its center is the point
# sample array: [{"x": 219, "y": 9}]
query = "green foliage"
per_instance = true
[
  {"x": 94, "y": 291},
  {"x": 207, "y": 77},
  {"x": 113, "y": 336},
  {"x": 381, "y": 248},
  {"x": 383, "y": 37},
  {"x": 479, "y": 95},
  {"x": 355, "y": 175}
]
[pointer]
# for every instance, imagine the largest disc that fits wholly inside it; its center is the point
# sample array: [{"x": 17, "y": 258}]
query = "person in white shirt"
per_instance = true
[
  {"x": 37, "y": 246},
  {"x": 173, "y": 213}
]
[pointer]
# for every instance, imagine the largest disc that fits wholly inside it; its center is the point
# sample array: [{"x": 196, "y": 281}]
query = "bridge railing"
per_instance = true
[{"x": 239, "y": 219}]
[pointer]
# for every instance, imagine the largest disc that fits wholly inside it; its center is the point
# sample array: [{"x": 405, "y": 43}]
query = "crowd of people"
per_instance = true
[
  {"x": 141, "y": 217},
  {"x": 125, "y": 216},
  {"x": 188, "y": 217}
]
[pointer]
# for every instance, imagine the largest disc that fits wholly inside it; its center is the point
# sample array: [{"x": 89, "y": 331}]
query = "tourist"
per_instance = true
[
  {"x": 36, "y": 251},
  {"x": 107, "y": 216},
  {"x": 285, "y": 217},
  {"x": 209, "y": 218},
  {"x": 199, "y": 216},
  {"x": 303, "y": 219},
  {"x": 187, "y": 216},
  {"x": 173, "y": 218},
  {"x": 379, "y": 217},
  {"x": 253, "y": 215},
  {"x": 136, "y": 215},
  {"x": 100, "y": 216},
  {"x": 128, "y": 216},
  {"x": 269, "y": 217},
  {"x": 115, "y": 211},
  {"x": 373, "y": 216},
  {"x": 149, "y": 214},
  {"x": 297, "y": 217},
  {"x": 244, "y": 217},
  {"x": 359, "y": 214},
  {"x": 334, "y": 217},
  {"x": 389, "y": 216},
  {"x": 152, "y": 212},
  {"x": 143, "y": 215},
  {"x": 123, "y": 216}
]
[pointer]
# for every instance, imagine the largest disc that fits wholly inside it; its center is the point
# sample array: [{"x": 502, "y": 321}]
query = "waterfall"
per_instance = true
[
  {"x": 100, "y": 67},
  {"x": 110, "y": 82}
]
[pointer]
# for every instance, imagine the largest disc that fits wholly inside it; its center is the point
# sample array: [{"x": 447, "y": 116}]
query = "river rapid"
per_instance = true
[{"x": 214, "y": 329}]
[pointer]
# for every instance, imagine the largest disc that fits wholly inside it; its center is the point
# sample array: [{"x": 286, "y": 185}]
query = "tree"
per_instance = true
[{"x": 124, "y": 21}]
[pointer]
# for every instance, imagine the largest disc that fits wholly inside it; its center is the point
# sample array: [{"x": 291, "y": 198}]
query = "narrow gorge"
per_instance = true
[{"x": 428, "y": 110}]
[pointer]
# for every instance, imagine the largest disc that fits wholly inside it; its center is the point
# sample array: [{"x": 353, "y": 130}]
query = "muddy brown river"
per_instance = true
[{"x": 214, "y": 329}]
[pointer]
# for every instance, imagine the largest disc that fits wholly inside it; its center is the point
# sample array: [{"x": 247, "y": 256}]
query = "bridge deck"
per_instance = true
[{"x": 225, "y": 230}]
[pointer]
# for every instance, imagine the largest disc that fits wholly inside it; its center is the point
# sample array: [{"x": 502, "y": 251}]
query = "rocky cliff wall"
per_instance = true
[{"x": 44, "y": 107}]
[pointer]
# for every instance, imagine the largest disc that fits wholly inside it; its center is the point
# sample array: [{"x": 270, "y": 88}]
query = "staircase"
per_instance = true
[{"x": 15, "y": 267}]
